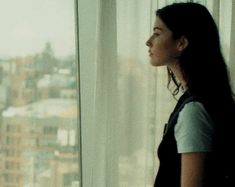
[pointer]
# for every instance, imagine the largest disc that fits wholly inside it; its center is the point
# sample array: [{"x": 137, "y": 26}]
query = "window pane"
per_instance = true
[{"x": 39, "y": 134}]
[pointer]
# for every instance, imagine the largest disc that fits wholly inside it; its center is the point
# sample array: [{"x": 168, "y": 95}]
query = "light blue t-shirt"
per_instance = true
[{"x": 194, "y": 129}]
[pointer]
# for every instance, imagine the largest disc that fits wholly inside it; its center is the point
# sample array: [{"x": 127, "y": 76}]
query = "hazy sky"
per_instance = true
[{"x": 26, "y": 25}]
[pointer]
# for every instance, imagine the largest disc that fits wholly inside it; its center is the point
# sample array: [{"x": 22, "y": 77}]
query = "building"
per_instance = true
[{"x": 39, "y": 145}]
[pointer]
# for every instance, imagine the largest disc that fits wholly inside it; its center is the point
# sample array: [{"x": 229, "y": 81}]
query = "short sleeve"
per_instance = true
[{"x": 194, "y": 129}]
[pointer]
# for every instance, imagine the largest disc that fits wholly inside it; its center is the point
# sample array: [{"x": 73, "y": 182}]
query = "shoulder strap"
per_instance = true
[{"x": 184, "y": 99}]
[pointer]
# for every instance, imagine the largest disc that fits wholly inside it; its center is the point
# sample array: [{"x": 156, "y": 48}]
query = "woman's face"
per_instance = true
[{"x": 162, "y": 47}]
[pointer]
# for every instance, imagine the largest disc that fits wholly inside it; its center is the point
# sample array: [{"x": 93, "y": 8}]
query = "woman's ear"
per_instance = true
[{"x": 182, "y": 43}]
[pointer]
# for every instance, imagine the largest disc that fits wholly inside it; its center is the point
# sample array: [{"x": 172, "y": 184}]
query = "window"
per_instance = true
[{"x": 38, "y": 94}]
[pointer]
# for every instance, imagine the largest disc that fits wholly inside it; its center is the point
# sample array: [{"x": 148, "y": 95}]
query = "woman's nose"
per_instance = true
[{"x": 148, "y": 43}]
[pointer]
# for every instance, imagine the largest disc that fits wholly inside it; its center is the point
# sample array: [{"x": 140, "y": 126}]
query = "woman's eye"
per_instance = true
[{"x": 156, "y": 34}]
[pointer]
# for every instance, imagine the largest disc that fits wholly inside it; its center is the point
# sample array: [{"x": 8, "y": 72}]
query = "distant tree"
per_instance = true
[{"x": 45, "y": 61}]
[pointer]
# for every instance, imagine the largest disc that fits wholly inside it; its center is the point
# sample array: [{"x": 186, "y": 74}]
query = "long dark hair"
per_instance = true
[
  {"x": 202, "y": 63},
  {"x": 204, "y": 69}
]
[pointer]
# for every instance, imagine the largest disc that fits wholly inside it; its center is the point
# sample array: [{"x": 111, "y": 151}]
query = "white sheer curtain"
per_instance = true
[{"x": 124, "y": 101}]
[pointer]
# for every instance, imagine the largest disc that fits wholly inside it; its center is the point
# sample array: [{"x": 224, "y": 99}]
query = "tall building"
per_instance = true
[{"x": 39, "y": 145}]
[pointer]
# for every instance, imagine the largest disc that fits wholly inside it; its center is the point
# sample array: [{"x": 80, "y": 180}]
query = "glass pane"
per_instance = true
[{"x": 39, "y": 134}]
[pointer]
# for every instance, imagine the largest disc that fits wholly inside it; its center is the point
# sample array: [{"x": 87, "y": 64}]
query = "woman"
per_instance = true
[{"x": 196, "y": 147}]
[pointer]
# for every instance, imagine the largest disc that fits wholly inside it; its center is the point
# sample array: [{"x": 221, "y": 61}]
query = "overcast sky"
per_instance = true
[{"x": 26, "y": 25}]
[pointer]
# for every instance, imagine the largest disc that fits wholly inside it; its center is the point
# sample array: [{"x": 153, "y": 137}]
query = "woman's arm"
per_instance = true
[{"x": 192, "y": 169}]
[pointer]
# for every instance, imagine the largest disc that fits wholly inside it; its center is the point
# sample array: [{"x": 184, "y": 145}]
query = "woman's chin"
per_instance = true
[{"x": 154, "y": 63}]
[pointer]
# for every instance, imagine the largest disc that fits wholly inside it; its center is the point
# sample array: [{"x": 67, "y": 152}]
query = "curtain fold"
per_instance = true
[
  {"x": 87, "y": 13},
  {"x": 104, "y": 143},
  {"x": 125, "y": 102},
  {"x": 232, "y": 47}
]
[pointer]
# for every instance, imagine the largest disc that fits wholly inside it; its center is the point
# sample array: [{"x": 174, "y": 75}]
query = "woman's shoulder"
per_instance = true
[
  {"x": 194, "y": 111},
  {"x": 194, "y": 106},
  {"x": 194, "y": 129}
]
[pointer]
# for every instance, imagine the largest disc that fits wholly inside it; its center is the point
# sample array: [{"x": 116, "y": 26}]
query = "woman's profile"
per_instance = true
[{"x": 196, "y": 148}]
